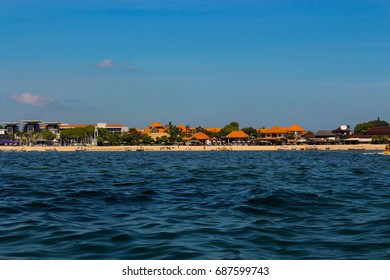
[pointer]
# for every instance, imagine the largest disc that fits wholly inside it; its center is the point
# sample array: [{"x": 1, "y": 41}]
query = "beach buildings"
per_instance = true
[
  {"x": 54, "y": 127},
  {"x": 236, "y": 136},
  {"x": 324, "y": 137},
  {"x": 374, "y": 134},
  {"x": 31, "y": 126},
  {"x": 277, "y": 134},
  {"x": 155, "y": 127},
  {"x": 23, "y": 132},
  {"x": 199, "y": 138},
  {"x": 7, "y": 133},
  {"x": 10, "y": 128},
  {"x": 156, "y": 130},
  {"x": 113, "y": 128},
  {"x": 29, "y": 132}
]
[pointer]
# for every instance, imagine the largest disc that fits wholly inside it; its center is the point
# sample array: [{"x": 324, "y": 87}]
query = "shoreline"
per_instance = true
[{"x": 368, "y": 147}]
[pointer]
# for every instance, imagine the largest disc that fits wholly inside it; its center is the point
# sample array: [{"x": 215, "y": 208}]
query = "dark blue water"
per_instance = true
[{"x": 195, "y": 205}]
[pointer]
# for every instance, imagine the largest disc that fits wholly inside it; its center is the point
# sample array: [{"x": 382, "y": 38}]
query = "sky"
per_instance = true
[{"x": 320, "y": 64}]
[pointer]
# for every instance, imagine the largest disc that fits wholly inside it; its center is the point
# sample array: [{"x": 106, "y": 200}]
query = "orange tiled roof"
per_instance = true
[
  {"x": 275, "y": 129},
  {"x": 213, "y": 129},
  {"x": 282, "y": 130},
  {"x": 114, "y": 125},
  {"x": 183, "y": 128},
  {"x": 200, "y": 136},
  {"x": 296, "y": 128},
  {"x": 237, "y": 134},
  {"x": 156, "y": 124},
  {"x": 147, "y": 130}
]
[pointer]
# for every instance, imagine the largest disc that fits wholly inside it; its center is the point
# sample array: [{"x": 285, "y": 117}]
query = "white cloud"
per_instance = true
[
  {"x": 105, "y": 63},
  {"x": 31, "y": 100}
]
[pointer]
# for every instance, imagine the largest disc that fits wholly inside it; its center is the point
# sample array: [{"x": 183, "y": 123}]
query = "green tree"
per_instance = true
[
  {"x": 233, "y": 126},
  {"x": 250, "y": 131},
  {"x": 132, "y": 137},
  {"x": 78, "y": 135},
  {"x": 146, "y": 139},
  {"x": 89, "y": 131},
  {"x": 364, "y": 127},
  {"x": 105, "y": 136},
  {"x": 380, "y": 139},
  {"x": 174, "y": 132},
  {"x": 48, "y": 135}
]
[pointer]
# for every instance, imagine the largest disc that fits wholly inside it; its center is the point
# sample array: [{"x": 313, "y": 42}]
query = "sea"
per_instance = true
[{"x": 221, "y": 205}]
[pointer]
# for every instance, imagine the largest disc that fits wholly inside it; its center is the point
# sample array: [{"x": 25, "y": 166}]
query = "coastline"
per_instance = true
[{"x": 368, "y": 147}]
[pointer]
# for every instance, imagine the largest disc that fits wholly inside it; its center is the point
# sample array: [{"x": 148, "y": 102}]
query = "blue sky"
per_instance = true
[{"x": 316, "y": 63}]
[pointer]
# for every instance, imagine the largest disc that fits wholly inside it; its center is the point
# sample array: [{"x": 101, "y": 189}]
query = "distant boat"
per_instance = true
[
  {"x": 51, "y": 150},
  {"x": 140, "y": 149},
  {"x": 80, "y": 149},
  {"x": 387, "y": 150}
]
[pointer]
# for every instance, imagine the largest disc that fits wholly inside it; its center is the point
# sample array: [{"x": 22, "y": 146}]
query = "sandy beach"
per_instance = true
[{"x": 369, "y": 147}]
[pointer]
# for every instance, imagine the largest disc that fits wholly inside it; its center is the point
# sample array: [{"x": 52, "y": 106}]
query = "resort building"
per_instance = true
[
  {"x": 113, "y": 128},
  {"x": 358, "y": 139},
  {"x": 156, "y": 130},
  {"x": 374, "y": 134},
  {"x": 324, "y": 137},
  {"x": 155, "y": 127},
  {"x": 201, "y": 137},
  {"x": 31, "y": 126},
  {"x": 279, "y": 134},
  {"x": 54, "y": 127},
  {"x": 343, "y": 131},
  {"x": 10, "y": 128},
  {"x": 379, "y": 131},
  {"x": 7, "y": 133},
  {"x": 237, "y": 136}
]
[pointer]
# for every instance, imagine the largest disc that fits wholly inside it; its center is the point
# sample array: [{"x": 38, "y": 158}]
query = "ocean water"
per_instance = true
[{"x": 195, "y": 205}]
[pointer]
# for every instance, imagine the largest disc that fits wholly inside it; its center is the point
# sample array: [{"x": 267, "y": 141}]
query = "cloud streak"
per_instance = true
[
  {"x": 30, "y": 99},
  {"x": 105, "y": 63},
  {"x": 126, "y": 66}
]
